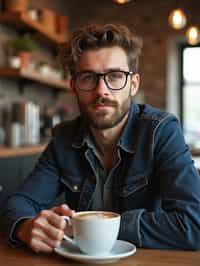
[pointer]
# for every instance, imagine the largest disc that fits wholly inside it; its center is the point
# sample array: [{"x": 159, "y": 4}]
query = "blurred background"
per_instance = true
[{"x": 34, "y": 91}]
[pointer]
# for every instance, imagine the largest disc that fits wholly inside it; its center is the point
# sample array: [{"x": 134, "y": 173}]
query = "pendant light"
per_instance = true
[
  {"x": 177, "y": 19},
  {"x": 121, "y": 2},
  {"x": 193, "y": 35}
]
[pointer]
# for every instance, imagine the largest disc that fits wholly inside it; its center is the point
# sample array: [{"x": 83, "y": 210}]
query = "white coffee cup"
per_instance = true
[{"x": 94, "y": 232}]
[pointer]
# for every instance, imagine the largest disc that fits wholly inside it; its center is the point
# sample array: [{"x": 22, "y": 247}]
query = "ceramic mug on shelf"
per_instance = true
[{"x": 94, "y": 232}]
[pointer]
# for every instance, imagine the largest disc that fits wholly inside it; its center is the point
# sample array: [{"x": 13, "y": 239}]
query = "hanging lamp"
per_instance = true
[
  {"x": 177, "y": 19},
  {"x": 193, "y": 35}
]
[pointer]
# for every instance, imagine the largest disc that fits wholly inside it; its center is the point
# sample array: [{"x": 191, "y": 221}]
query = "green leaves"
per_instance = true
[{"x": 24, "y": 43}]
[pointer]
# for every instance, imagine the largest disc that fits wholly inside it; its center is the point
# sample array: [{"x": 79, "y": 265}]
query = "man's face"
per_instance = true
[{"x": 105, "y": 108}]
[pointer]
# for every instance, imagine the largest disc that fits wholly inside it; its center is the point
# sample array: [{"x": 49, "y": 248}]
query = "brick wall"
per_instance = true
[{"x": 147, "y": 17}]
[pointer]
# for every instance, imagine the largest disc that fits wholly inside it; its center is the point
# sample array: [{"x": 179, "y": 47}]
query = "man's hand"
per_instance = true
[{"x": 45, "y": 232}]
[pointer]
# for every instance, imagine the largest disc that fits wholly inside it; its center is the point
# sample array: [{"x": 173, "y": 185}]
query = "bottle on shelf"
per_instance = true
[{"x": 24, "y": 128}]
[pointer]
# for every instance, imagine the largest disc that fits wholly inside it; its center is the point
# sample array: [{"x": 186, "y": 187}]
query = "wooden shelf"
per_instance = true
[
  {"x": 21, "y": 151},
  {"x": 21, "y": 20},
  {"x": 195, "y": 152},
  {"x": 34, "y": 76}
]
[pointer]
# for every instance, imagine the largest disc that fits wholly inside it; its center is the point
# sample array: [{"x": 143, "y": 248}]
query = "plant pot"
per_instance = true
[{"x": 24, "y": 58}]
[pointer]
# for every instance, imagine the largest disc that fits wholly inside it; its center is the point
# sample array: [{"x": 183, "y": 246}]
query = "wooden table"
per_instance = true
[{"x": 143, "y": 257}]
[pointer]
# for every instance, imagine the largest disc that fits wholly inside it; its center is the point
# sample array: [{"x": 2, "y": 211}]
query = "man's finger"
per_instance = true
[
  {"x": 45, "y": 224},
  {"x": 63, "y": 209},
  {"x": 39, "y": 246}
]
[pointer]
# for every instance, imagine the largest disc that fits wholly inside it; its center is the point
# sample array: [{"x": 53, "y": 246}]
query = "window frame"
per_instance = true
[{"x": 182, "y": 82}]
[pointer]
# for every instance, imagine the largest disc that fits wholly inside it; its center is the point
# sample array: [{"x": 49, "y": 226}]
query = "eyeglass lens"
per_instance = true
[{"x": 114, "y": 80}]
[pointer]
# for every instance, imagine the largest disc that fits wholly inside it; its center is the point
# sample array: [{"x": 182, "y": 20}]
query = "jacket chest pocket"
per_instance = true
[
  {"x": 132, "y": 195},
  {"x": 135, "y": 184},
  {"x": 70, "y": 183},
  {"x": 71, "y": 189}
]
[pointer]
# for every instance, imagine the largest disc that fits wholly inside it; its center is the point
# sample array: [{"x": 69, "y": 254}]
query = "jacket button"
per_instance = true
[{"x": 75, "y": 187}]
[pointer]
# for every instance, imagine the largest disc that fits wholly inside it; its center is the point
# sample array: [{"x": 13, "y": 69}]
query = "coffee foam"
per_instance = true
[{"x": 96, "y": 215}]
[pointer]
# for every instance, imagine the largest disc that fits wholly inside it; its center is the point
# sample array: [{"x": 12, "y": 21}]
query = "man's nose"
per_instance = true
[{"x": 102, "y": 88}]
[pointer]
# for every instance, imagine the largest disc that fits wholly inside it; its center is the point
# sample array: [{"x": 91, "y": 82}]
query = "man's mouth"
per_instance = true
[
  {"x": 103, "y": 105},
  {"x": 103, "y": 102}
]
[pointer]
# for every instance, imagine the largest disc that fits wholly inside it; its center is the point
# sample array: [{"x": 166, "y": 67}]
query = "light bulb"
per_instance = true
[
  {"x": 121, "y": 1},
  {"x": 193, "y": 35},
  {"x": 177, "y": 19}
]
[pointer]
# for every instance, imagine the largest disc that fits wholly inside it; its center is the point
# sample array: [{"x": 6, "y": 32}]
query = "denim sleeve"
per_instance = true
[
  {"x": 177, "y": 223},
  {"x": 38, "y": 192}
]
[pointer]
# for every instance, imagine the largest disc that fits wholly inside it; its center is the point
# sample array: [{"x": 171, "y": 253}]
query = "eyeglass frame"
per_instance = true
[{"x": 102, "y": 75}]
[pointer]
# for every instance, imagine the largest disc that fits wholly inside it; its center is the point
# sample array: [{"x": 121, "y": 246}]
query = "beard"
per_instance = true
[{"x": 105, "y": 119}]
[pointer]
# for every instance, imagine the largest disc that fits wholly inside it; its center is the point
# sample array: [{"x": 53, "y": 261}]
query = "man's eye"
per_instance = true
[
  {"x": 87, "y": 77},
  {"x": 115, "y": 75}
]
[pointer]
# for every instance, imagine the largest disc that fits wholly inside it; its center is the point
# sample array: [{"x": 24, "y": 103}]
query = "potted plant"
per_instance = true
[{"x": 23, "y": 46}]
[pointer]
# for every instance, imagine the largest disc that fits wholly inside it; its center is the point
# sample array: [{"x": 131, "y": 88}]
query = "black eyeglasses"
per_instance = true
[{"x": 114, "y": 80}]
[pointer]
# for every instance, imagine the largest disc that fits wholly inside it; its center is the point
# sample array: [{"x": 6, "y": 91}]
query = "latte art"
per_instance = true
[{"x": 96, "y": 215}]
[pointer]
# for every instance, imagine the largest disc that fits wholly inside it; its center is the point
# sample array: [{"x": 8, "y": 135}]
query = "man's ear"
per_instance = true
[{"x": 135, "y": 82}]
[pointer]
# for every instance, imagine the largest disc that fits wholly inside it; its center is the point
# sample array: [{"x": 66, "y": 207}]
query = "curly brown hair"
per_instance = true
[{"x": 100, "y": 36}]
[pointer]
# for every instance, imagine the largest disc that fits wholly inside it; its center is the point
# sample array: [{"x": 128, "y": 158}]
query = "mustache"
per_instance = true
[{"x": 104, "y": 100}]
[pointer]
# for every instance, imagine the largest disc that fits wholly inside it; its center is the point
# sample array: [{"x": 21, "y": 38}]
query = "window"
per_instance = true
[{"x": 190, "y": 92}]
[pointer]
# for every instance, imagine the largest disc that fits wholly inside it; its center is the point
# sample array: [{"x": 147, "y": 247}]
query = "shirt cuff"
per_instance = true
[{"x": 13, "y": 240}]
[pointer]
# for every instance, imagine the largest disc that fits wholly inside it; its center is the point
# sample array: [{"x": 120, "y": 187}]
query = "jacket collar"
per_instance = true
[{"x": 126, "y": 140}]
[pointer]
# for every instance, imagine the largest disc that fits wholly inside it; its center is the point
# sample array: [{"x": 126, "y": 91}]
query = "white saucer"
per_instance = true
[{"x": 120, "y": 250}]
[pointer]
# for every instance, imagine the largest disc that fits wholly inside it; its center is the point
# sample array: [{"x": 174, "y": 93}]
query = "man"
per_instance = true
[{"x": 117, "y": 155}]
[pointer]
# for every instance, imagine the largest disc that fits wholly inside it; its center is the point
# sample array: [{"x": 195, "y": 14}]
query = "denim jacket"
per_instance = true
[{"x": 155, "y": 187}]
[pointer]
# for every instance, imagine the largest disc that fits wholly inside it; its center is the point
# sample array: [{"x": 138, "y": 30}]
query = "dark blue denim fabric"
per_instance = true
[{"x": 155, "y": 185}]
